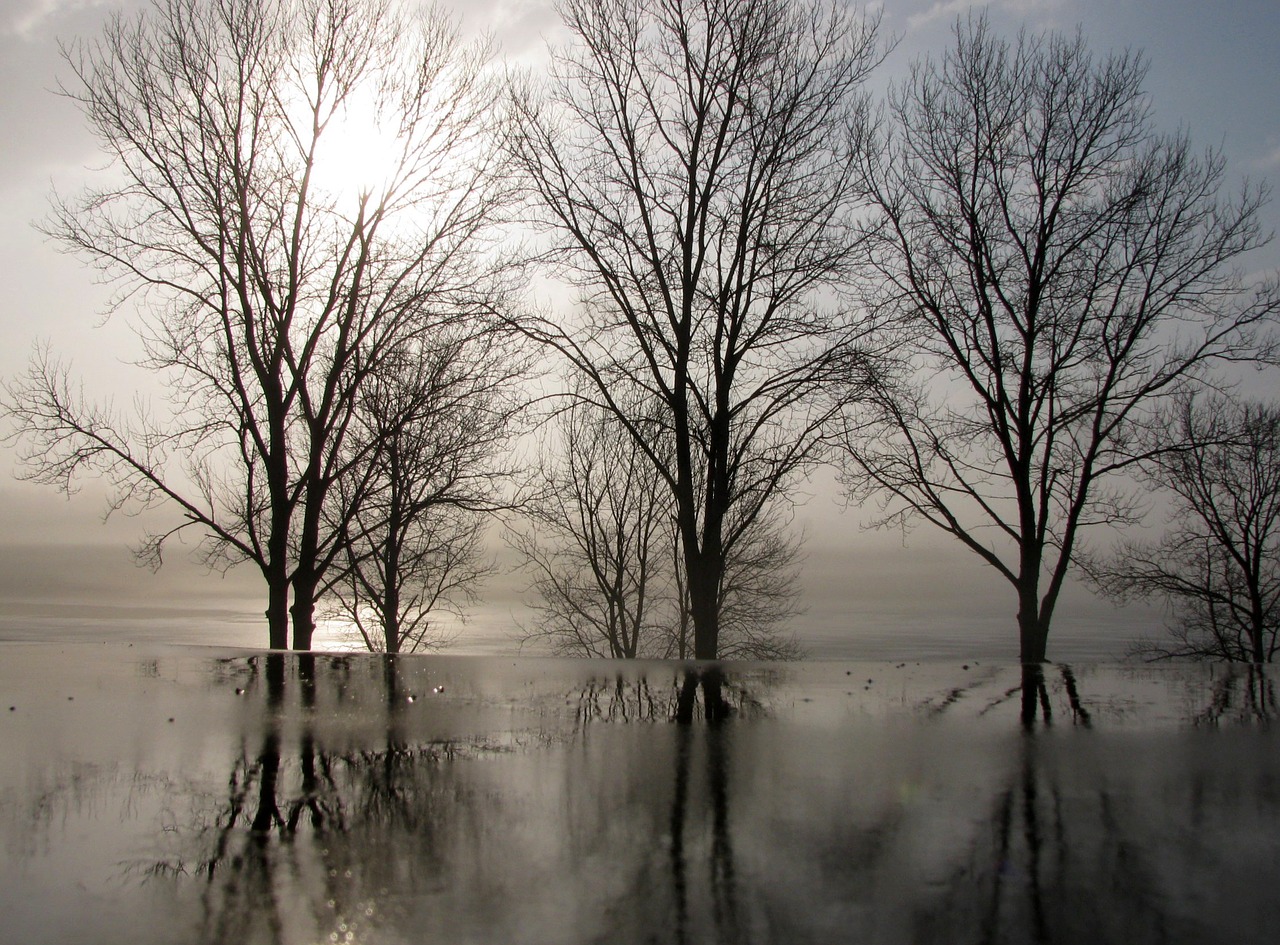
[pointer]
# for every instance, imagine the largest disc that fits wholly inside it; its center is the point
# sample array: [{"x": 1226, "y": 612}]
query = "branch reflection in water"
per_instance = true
[{"x": 391, "y": 799}]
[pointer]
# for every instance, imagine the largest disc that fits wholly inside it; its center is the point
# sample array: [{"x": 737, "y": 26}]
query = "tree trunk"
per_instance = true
[
  {"x": 1033, "y": 633},
  {"x": 391, "y": 614},
  {"x": 277, "y": 612},
  {"x": 276, "y": 566},
  {"x": 704, "y": 607},
  {"x": 391, "y": 551},
  {"x": 303, "y": 610},
  {"x": 704, "y": 565},
  {"x": 1257, "y": 627},
  {"x": 305, "y": 574},
  {"x": 1035, "y": 696}
]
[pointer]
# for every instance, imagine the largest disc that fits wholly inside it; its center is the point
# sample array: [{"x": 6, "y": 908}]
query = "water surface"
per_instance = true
[{"x": 154, "y": 794}]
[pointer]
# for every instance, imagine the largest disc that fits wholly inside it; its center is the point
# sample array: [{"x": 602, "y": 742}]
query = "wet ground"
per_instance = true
[{"x": 188, "y": 795}]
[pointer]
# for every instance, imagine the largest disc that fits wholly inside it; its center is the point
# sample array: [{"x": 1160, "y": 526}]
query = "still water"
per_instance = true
[
  {"x": 166, "y": 794},
  {"x": 1088, "y": 634}
]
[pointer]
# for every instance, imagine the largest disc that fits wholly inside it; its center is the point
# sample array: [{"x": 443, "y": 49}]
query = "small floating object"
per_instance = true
[
  {"x": 410, "y": 698},
  {"x": 438, "y": 689},
  {"x": 239, "y": 691}
]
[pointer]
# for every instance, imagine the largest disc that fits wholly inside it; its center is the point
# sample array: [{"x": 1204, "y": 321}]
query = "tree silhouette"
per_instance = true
[
  {"x": 431, "y": 426},
  {"x": 604, "y": 554},
  {"x": 692, "y": 168},
  {"x": 1218, "y": 564},
  {"x": 1057, "y": 270},
  {"x": 597, "y": 544},
  {"x": 272, "y": 273}
]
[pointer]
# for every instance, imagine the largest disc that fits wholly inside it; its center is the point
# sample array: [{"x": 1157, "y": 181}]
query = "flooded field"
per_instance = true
[{"x": 153, "y": 794}]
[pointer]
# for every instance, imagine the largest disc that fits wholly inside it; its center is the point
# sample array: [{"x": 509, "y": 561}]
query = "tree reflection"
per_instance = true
[
  {"x": 722, "y": 898},
  {"x": 292, "y": 841},
  {"x": 1036, "y": 703},
  {"x": 1060, "y": 856},
  {"x": 716, "y": 706},
  {"x": 290, "y": 849},
  {"x": 621, "y": 807},
  {"x": 1243, "y": 693},
  {"x": 623, "y": 699},
  {"x": 628, "y": 697}
]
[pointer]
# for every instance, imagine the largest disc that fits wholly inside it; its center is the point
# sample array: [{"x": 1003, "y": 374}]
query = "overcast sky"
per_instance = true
[{"x": 1214, "y": 69}]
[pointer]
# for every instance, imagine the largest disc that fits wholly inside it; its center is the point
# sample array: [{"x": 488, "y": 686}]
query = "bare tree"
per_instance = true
[
  {"x": 760, "y": 592},
  {"x": 1218, "y": 564},
  {"x": 693, "y": 165},
  {"x": 1058, "y": 269},
  {"x": 597, "y": 546},
  {"x": 272, "y": 273},
  {"x": 430, "y": 426},
  {"x": 606, "y": 559}
]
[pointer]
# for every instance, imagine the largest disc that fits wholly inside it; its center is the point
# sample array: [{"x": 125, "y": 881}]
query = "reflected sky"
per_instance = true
[{"x": 182, "y": 795}]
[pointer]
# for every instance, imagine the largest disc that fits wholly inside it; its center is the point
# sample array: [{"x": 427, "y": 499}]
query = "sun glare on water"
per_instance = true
[{"x": 336, "y": 634}]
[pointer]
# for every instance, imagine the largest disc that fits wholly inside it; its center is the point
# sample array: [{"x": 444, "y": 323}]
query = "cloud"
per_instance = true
[
  {"x": 950, "y": 9},
  {"x": 945, "y": 10},
  {"x": 26, "y": 21},
  {"x": 1271, "y": 160}
]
